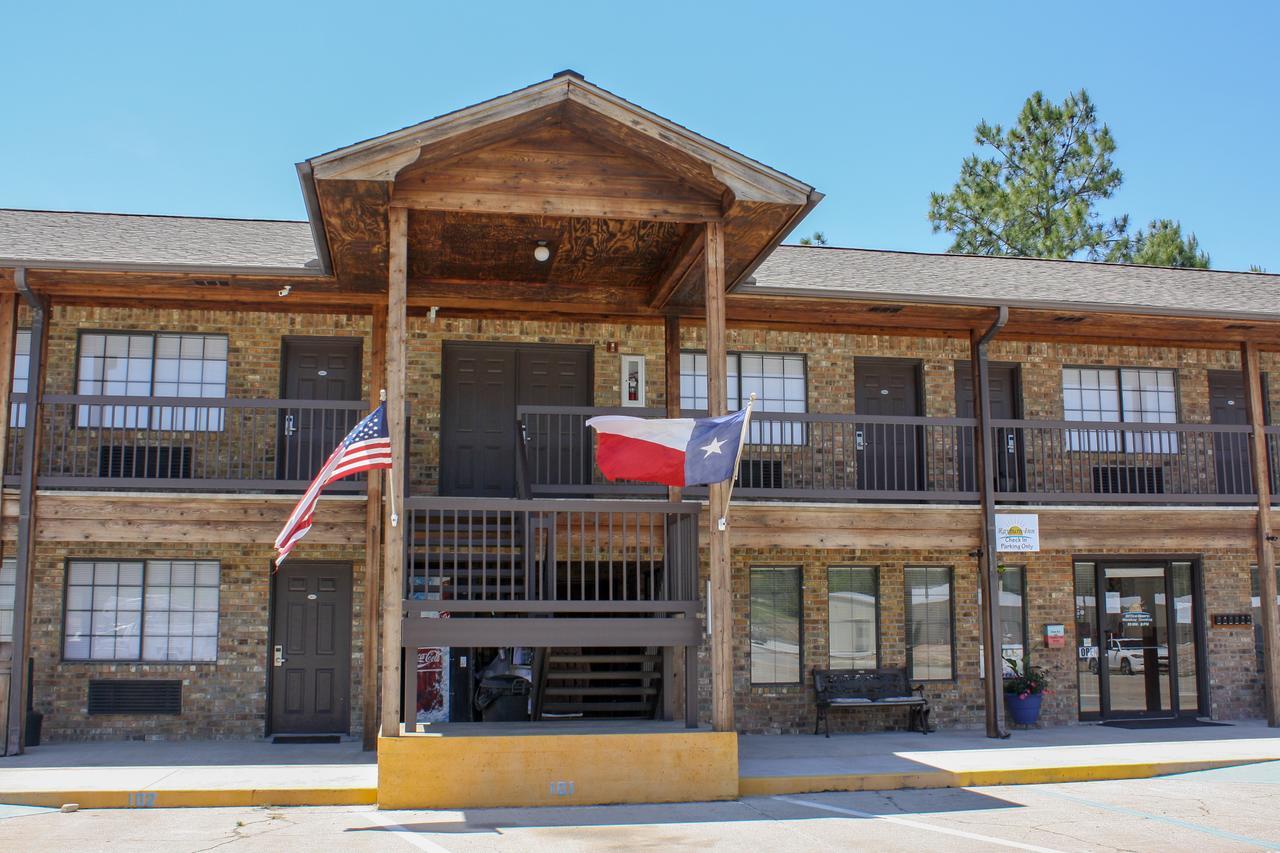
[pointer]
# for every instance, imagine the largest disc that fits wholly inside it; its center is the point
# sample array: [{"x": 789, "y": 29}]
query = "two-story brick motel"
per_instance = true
[{"x": 506, "y": 271}]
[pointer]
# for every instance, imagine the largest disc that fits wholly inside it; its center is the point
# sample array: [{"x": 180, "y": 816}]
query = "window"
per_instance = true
[
  {"x": 21, "y": 375},
  {"x": 157, "y": 610},
  {"x": 1133, "y": 395},
  {"x": 778, "y": 381},
  {"x": 1013, "y": 619},
  {"x": 152, "y": 365},
  {"x": 8, "y": 578},
  {"x": 930, "y": 632},
  {"x": 853, "y": 594},
  {"x": 775, "y": 625}
]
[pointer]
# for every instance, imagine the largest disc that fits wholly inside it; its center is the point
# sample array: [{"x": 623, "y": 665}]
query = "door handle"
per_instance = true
[
  {"x": 1011, "y": 443},
  {"x": 280, "y": 658},
  {"x": 859, "y": 440},
  {"x": 290, "y": 425}
]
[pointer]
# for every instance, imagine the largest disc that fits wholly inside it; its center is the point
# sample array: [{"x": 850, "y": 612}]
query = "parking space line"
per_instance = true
[
  {"x": 959, "y": 833},
  {"x": 382, "y": 819}
]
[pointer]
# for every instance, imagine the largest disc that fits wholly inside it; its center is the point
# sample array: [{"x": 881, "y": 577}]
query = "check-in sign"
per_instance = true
[{"x": 1017, "y": 532}]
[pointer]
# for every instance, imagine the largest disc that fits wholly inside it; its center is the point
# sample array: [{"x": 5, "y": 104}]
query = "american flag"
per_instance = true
[{"x": 367, "y": 447}]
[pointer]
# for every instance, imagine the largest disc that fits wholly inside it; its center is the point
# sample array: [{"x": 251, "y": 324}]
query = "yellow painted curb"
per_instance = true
[
  {"x": 768, "y": 786},
  {"x": 180, "y": 799}
]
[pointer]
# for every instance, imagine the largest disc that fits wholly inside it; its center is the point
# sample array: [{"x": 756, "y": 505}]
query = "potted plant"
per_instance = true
[{"x": 1024, "y": 690}]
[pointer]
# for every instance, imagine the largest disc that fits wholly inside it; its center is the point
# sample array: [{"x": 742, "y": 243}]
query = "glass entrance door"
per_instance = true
[{"x": 1139, "y": 639}]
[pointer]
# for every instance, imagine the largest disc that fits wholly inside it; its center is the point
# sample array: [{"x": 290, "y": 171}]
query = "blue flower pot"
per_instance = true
[{"x": 1024, "y": 712}]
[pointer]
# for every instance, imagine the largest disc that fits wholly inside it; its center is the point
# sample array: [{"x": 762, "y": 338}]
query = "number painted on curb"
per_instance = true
[
  {"x": 142, "y": 799},
  {"x": 561, "y": 789}
]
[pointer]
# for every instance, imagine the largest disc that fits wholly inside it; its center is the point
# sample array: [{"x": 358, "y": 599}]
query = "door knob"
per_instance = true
[
  {"x": 290, "y": 425},
  {"x": 280, "y": 658}
]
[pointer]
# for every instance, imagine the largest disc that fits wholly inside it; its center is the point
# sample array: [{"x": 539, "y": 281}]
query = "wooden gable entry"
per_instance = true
[{"x": 639, "y": 218}]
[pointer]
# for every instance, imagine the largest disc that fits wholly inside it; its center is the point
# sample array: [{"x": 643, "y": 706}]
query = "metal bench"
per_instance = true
[{"x": 871, "y": 688}]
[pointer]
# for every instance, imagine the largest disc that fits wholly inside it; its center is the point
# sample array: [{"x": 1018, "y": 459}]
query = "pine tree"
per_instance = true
[{"x": 1161, "y": 245}]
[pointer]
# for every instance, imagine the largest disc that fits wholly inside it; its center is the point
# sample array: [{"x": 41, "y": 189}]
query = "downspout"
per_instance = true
[
  {"x": 307, "y": 179},
  {"x": 26, "y": 517},
  {"x": 988, "y": 577}
]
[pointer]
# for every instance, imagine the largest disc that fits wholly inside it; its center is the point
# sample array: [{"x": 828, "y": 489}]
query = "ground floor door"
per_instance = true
[
  {"x": 1141, "y": 639},
  {"x": 310, "y": 663}
]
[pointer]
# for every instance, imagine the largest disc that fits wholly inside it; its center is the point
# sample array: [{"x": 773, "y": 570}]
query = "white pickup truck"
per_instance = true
[{"x": 1127, "y": 655}]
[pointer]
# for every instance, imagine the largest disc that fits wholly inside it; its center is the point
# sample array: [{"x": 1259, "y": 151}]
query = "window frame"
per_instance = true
[
  {"x": 9, "y": 562},
  {"x": 800, "y": 434},
  {"x": 142, "y": 614},
  {"x": 906, "y": 613},
  {"x": 18, "y": 409},
  {"x": 875, "y": 573},
  {"x": 800, "y": 656},
  {"x": 152, "y": 412},
  {"x": 1163, "y": 443},
  {"x": 1026, "y": 625}
]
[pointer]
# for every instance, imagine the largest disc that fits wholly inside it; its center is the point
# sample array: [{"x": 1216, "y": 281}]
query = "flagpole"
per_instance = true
[
  {"x": 742, "y": 440},
  {"x": 391, "y": 474}
]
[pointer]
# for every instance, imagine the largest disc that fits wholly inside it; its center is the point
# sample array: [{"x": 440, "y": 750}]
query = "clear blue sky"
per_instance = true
[{"x": 203, "y": 109}]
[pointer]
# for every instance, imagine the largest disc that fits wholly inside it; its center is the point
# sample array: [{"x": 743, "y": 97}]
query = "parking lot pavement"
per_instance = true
[{"x": 1229, "y": 809}]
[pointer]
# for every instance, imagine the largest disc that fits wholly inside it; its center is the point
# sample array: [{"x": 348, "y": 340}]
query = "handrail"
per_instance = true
[
  {"x": 788, "y": 417},
  {"x": 196, "y": 402},
  {"x": 1120, "y": 426}
]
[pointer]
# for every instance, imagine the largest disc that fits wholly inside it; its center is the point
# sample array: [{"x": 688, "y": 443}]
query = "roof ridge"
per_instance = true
[
  {"x": 1075, "y": 261},
  {"x": 153, "y": 215}
]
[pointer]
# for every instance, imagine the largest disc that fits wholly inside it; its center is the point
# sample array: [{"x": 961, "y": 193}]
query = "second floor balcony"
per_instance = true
[{"x": 275, "y": 446}]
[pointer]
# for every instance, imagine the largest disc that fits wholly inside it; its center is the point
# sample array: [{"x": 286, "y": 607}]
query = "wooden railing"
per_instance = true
[
  {"x": 491, "y": 555},
  {"x": 861, "y": 457},
  {"x": 180, "y": 443}
]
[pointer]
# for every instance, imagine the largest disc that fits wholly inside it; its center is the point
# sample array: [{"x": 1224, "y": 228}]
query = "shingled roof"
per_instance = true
[
  {"x": 47, "y": 238},
  {"x": 883, "y": 276}
]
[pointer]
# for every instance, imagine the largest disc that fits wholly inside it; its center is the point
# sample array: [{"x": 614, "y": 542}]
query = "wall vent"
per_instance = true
[
  {"x": 1238, "y": 327},
  {"x": 170, "y": 463},
  {"x": 760, "y": 474},
  {"x": 1128, "y": 480},
  {"x": 135, "y": 696},
  {"x": 1069, "y": 318},
  {"x": 211, "y": 282},
  {"x": 885, "y": 309}
]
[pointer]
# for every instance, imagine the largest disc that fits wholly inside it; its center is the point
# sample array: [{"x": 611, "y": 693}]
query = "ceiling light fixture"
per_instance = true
[{"x": 541, "y": 253}]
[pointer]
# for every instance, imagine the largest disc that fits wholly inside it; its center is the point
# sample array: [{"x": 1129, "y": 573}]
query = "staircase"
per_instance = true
[{"x": 609, "y": 683}]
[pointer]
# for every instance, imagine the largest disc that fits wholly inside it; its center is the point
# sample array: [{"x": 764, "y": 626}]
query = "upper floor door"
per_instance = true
[
  {"x": 1005, "y": 392},
  {"x": 315, "y": 369},
  {"x": 889, "y": 455},
  {"x": 481, "y": 386},
  {"x": 1228, "y": 405}
]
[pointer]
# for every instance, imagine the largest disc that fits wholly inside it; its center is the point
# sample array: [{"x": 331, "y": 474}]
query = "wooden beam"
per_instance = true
[
  {"x": 682, "y": 264},
  {"x": 393, "y": 543},
  {"x": 675, "y": 676},
  {"x": 373, "y": 546},
  {"x": 988, "y": 578},
  {"x": 1249, "y": 362},
  {"x": 582, "y": 206},
  {"x": 721, "y": 600}
]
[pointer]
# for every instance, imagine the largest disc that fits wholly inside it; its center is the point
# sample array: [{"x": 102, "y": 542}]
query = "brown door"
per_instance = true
[
  {"x": 481, "y": 386},
  {"x": 315, "y": 369},
  {"x": 888, "y": 455},
  {"x": 1228, "y": 405},
  {"x": 1006, "y": 404},
  {"x": 311, "y": 648},
  {"x": 557, "y": 376}
]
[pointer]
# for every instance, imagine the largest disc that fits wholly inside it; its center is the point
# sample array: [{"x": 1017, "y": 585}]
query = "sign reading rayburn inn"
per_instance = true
[{"x": 1017, "y": 532}]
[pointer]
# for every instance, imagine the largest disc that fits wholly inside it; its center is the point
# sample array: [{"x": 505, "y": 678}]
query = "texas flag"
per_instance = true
[{"x": 673, "y": 451}]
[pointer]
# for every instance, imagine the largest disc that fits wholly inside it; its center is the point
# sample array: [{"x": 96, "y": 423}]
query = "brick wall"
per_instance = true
[{"x": 221, "y": 700}]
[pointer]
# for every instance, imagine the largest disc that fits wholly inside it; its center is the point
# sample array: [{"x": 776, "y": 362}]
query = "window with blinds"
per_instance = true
[
  {"x": 930, "y": 627},
  {"x": 852, "y": 617},
  {"x": 775, "y": 625}
]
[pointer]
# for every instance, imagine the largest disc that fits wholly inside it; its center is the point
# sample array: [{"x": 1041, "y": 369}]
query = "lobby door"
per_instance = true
[{"x": 1140, "y": 639}]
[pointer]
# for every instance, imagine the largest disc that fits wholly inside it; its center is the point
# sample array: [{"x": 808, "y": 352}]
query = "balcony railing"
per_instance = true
[
  {"x": 180, "y": 443},
  {"x": 493, "y": 555},
  {"x": 860, "y": 457}
]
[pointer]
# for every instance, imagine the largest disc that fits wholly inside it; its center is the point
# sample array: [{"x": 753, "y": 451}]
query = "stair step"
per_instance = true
[
  {"x": 563, "y": 658},
  {"x": 572, "y": 707},
  {"x": 614, "y": 690},
  {"x": 567, "y": 675}
]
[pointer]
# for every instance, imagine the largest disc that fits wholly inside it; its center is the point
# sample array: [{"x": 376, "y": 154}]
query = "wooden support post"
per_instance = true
[
  {"x": 988, "y": 564},
  {"x": 26, "y": 516},
  {"x": 373, "y": 544},
  {"x": 1266, "y": 548},
  {"x": 721, "y": 603},
  {"x": 671, "y": 393},
  {"x": 394, "y": 536},
  {"x": 8, "y": 341}
]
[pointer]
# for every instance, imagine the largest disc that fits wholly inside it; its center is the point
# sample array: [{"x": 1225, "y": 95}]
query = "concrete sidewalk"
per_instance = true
[
  {"x": 166, "y": 774},
  {"x": 793, "y": 764},
  {"x": 135, "y": 774}
]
